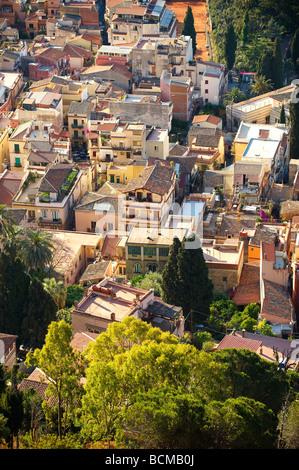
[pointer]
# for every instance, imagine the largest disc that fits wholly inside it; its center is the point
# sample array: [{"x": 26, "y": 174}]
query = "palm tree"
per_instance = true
[
  {"x": 57, "y": 290},
  {"x": 12, "y": 241},
  {"x": 234, "y": 96},
  {"x": 6, "y": 220},
  {"x": 260, "y": 86},
  {"x": 37, "y": 249}
]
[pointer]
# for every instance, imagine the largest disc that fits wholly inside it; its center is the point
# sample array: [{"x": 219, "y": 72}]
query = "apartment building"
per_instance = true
[
  {"x": 179, "y": 91},
  {"x": 149, "y": 110},
  {"x": 262, "y": 109},
  {"x": 148, "y": 198},
  {"x": 130, "y": 23},
  {"x": 153, "y": 55},
  {"x": 78, "y": 116}
]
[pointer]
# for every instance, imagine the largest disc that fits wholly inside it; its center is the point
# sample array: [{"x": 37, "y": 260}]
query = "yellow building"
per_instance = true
[
  {"x": 123, "y": 172},
  {"x": 4, "y": 148}
]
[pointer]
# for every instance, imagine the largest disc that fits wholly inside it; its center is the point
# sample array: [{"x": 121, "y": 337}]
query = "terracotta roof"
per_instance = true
[
  {"x": 277, "y": 302},
  {"x": 8, "y": 340},
  {"x": 248, "y": 289},
  {"x": 54, "y": 178},
  {"x": 109, "y": 246},
  {"x": 10, "y": 183},
  {"x": 157, "y": 179},
  {"x": 134, "y": 10},
  {"x": 207, "y": 118},
  {"x": 237, "y": 342},
  {"x": 82, "y": 338},
  {"x": 36, "y": 380},
  {"x": 262, "y": 235},
  {"x": 75, "y": 51}
]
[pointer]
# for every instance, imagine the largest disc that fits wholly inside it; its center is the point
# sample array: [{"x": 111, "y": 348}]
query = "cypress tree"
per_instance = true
[
  {"x": 41, "y": 311},
  {"x": 264, "y": 67},
  {"x": 230, "y": 46},
  {"x": 295, "y": 48},
  {"x": 170, "y": 280},
  {"x": 277, "y": 65},
  {"x": 189, "y": 28},
  {"x": 196, "y": 289},
  {"x": 245, "y": 27},
  {"x": 294, "y": 118},
  {"x": 282, "y": 118}
]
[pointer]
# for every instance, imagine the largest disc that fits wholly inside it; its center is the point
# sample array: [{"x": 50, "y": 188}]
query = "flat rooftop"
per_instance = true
[{"x": 260, "y": 148}]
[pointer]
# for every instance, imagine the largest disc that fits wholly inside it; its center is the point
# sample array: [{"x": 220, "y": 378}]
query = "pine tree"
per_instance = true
[
  {"x": 170, "y": 280},
  {"x": 282, "y": 118},
  {"x": 294, "y": 118},
  {"x": 189, "y": 28},
  {"x": 230, "y": 46},
  {"x": 277, "y": 65}
]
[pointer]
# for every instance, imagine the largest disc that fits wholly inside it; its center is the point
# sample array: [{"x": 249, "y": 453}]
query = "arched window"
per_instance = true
[
  {"x": 137, "y": 268},
  {"x": 152, "y": 268}
]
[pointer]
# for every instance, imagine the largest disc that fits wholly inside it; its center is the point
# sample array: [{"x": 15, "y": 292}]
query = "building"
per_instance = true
[
  {"x": 147, "y": 250},
  {"x": 10, "y": 183},
  {"x": 178, "y": 90},
  {"x": 262, "y": 109},
  {"x": 151, "y": 56},
  {"x": 209, "y": 146},
  {"x": 110, "y": 301},
  {"x": 97, "y": 213},
  {"x": 130, "y": 23},
  {"x": 112, "y": 72},
  {"x": 148, "y": 199},
  {"x": 73, "y": 252},
  {"x": 8, "y": 350},
  {"x": 78, "y": 116},
  {"x": 148, "y": 110}
]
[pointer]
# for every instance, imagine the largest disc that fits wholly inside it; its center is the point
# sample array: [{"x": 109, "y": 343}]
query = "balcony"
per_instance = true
[{"x": 77, "y": 126}]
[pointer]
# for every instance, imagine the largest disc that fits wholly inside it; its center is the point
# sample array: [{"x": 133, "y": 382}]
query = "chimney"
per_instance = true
[
  {"x": 112, "y": 316},
  {"x": 261, "y": 349},
  {"x": 234, "y": 332},
  {"x": 76, "y": 303},
  {"x": 243, "y": 333}
]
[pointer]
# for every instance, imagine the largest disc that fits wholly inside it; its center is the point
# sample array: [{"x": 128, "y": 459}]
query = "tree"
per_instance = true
[
  {"x": 264, "y": 67},
  {"x": 162, "y": 419},
  {"x": 14, "y": 285},
  {"x": 195, "y": 286},
  {"x": 6, "y": 220},
  {"x": 282, "y": 117},
  {"x": 37, "y": 249},
  {"x": 11, "y": 406},
  {"x": 74, "y": 293},
  {"x": 290, "y": 427},
  {"x": 239, "y": 423},
  {"x": 235, "y": 95},
  {"x": 151, "y": 280},
  {"x": 295, "y": 48},
  {"x": 63, "y": 367},
  {"x": 264, "y": 328},
  {"x": 57, "y": 290},
  {"x": 40, "y": 312},
  {"x": 260, "y": 86},
  {"x": 170, "y": 282},
  {"x": 188, "y": 28},
  {"x": 245, "y": 27},
  {"x": 294, "y": 118},
  {"x": 277, "y": 65},
  {"x": 12, "y": 241},
  {"x": 230, "y": 46}
]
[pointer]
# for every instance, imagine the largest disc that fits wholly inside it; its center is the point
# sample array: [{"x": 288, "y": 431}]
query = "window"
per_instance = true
[
  {"x": 149, "y": 251},
  {"x": 111, "y": 178},
  {"x": 206, "y": 82},
  {"x": 137, "y": 268},
  {"x": 134, "y": 250},
  {"x": 225, "y": 279},
  {"x": 163, "y": 251},
  {"x": 44, "y": 214},
  {"x": 93, "y": 226},
  {"x": 17, "y": 161},
  {"x": 152, "y": 268},
  {"x": 75, "y": 122},
  {"x": 55, "y": 215},
  {"x": 110, "y": 226},
  {"x": 206, "y": 91},
  {"x": 17, "y": 148}
]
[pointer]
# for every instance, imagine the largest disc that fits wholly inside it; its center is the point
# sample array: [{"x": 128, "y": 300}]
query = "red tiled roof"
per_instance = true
[
  {"x": 207, "y": 118},
  {"x": 10, "y": 183},
  {"x": 277, "y": 302},
  {"x": 248, "y": 290},
  {"x": 231, "y": 341},
  {"x": 268, "y": 251}
]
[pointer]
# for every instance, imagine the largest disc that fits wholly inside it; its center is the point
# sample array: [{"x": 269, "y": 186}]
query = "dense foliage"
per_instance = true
[{"x": 256, "y": 32}]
